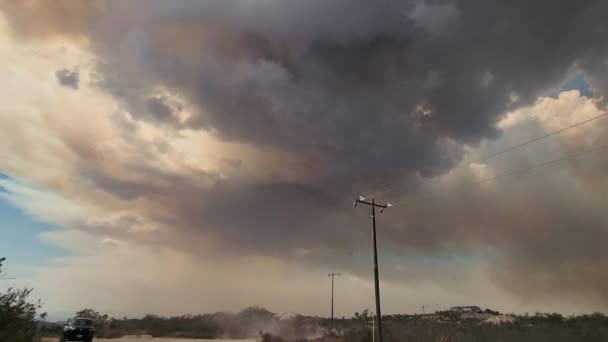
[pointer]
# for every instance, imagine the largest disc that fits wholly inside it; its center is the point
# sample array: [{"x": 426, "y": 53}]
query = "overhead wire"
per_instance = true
[
  {"x": 515, "y": 172},
  {"x": 561, "y": 130}
]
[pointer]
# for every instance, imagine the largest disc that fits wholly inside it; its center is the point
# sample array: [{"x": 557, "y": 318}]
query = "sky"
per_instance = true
[
  {"x": 24, "y": 244},
  {"x": 198, "y": 156}
]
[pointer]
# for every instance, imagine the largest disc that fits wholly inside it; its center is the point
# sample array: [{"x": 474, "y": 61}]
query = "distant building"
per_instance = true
[{"x": 474, "y": 309}]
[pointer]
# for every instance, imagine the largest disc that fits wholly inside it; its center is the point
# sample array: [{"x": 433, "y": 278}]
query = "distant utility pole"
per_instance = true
[
  {"x": 423, "y": 310},
  {"x": 372, "y": 204},
  {"x": 332, "y": 275},
  {"x": 373, "y": 330}
]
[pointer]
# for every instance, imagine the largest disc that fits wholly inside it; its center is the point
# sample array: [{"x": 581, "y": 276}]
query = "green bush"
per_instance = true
[{"x": 17, "y": 314}]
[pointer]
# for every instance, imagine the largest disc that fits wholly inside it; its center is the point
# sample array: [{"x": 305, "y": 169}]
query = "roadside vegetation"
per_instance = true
[
  {"x": 443, "y": 326},
  {"x": 18, "y": 314},
  {"x": 462, "y": 327}
]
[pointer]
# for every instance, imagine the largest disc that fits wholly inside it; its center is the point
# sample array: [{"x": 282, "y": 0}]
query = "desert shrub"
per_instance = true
[{"x": 18, "y": 314}]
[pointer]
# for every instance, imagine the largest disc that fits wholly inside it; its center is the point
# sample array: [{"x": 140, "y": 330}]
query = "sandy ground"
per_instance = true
[{"x": 151, "y": 339}]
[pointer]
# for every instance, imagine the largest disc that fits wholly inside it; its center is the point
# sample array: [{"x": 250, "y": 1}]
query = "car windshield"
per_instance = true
[{"x": 82, "y": 322}]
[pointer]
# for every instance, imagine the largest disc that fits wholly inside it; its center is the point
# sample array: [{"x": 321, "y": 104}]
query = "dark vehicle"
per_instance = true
[{"x": 78, "y": 329}]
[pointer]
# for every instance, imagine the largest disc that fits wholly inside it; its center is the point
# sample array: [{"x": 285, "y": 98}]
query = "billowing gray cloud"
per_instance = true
[
  {"x": 67, "y": 78},
  {"x": 387, "y": 91},
  {"x": 352, "y": 88}
]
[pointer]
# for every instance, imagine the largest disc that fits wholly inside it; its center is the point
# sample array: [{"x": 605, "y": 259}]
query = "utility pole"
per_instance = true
[
  {"x": 332, "y": 296},
  {"x": 373, "y": 204},
  {"x": 423, "y": 310},
  {"x": 373, "y": 329}
]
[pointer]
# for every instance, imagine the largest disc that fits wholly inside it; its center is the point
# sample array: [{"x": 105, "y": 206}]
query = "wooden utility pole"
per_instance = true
[
  {"x": 373, "y": 204},
  {"x": 332, "y": 275}
]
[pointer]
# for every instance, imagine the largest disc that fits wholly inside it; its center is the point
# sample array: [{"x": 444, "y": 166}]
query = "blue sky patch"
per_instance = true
[
  {"x": 19, "y": 241},
  {"x": 577, "y": 82}
]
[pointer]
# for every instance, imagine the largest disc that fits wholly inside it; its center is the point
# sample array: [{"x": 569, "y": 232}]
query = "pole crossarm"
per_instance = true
[
  {"x": 374, "y": 204},
  {"x": 362, "y": 200}
]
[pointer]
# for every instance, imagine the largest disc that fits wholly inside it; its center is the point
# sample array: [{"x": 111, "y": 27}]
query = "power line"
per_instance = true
[
  {"x": 561, "y": 130},
  {"x": 520, "y": 171}
]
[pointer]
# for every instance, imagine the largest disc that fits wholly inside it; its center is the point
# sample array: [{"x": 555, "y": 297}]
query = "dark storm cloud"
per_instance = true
[
  {"x": 287, "y": 76},
  {"x": 158, "y": 108},
  {"x": 385, "y": 89},
  {"x": 67, "y": 78}
]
